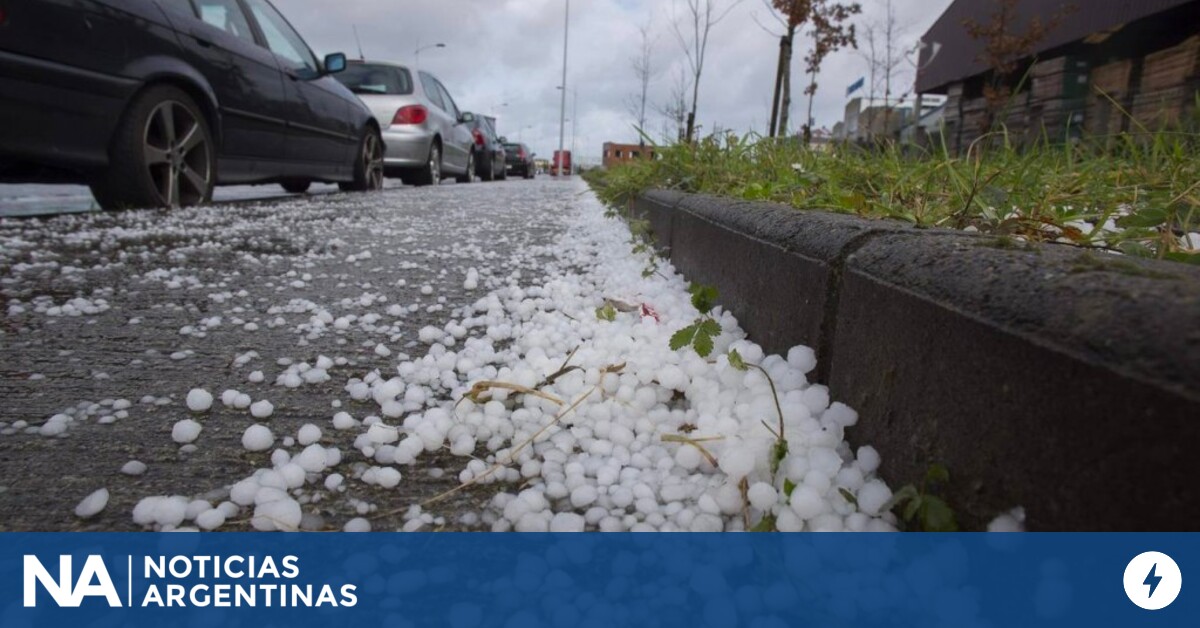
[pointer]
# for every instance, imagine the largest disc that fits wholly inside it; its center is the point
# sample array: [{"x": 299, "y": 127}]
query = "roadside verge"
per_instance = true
[{"x": 1061, "y": 380}]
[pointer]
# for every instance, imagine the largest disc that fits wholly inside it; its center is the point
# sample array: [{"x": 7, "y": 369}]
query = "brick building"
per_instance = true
[
  {"x": 1110, "y": 66},
  {"x": 620, "y": 153}
]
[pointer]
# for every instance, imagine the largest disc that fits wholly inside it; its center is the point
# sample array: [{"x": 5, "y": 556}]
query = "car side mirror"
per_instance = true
[
  {"x": 335, "y": 63},
  {"x": 466, "y": 117},
  {"x": 503, "y": 140}
]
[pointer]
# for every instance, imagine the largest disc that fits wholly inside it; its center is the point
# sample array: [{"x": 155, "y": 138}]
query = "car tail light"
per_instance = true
[
  {"x": 412, "y": 114},
  {"x": 478, "y": 137}
]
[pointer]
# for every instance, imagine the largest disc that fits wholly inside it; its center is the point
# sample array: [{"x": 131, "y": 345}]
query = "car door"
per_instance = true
[
  {"x": 320, "y": 127},
  {"x": 463, "y": 140},
  {"x": 217, "y": 38},
  {"x": 445, "y": 122}
]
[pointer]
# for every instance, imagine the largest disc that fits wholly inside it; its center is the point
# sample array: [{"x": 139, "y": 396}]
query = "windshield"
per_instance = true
[{"x": 367, "y": 78}]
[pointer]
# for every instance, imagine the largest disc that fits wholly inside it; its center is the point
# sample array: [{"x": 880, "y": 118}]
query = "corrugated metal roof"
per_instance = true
[{"x": 957, "y": 58}]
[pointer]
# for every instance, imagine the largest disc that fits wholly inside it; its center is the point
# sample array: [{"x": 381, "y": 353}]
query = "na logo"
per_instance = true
[{"x": 93, "y": 581}]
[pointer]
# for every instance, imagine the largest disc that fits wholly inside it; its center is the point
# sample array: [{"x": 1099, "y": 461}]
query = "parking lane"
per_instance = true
[{"x": 142, "y": 306}]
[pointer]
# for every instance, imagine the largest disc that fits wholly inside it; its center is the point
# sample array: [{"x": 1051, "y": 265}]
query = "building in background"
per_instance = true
[
  {"x": 620, "y": 153},
  {"x": 1110, "y": 66}
]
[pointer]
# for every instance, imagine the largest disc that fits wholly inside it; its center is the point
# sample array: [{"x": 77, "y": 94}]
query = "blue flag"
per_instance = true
[{"x": 857, "y": 85}]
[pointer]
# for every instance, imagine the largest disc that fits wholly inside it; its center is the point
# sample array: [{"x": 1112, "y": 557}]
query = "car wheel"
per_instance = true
[
  {"x": 368, "y": 166},
  {"x": 431, "y": 174},
  {"x": 468, "y": 175},
  {"x": 503, "y": 172},
  {"x": 487, "y": 171},
  {"x": 162, "y": 154},
  {"x": 296, "y": 186}
]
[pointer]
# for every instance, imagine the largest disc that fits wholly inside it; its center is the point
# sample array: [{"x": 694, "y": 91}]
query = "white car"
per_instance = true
[{"x": 427, "y": 137}]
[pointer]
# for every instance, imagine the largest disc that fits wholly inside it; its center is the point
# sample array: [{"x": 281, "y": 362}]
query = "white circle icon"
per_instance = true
[{"x": 1152, "y": 580}]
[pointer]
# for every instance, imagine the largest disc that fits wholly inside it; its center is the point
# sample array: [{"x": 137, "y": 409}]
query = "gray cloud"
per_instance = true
[{"x": 510, "y": 51}]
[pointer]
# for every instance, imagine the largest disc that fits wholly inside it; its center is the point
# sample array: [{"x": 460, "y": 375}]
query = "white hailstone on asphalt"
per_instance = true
[
  {"x": 868, "y": 459},
  {"x": 261, "y": 409},
  {"x": 387, "y": 477},
  {"x": 199, "y": 400},
  {"x": 229, "y": 397},
  {"x": 567, "y": 522},
  {"x": 426, "y": 289},
  {"x": 312, "y": 459},
  {"x": 343, "y": 421},
  {"x": 256, "y": 377},
  {"x": 333, "y": 481},
  {"x": 737, "y": 463},
  {"x": 762, "y": 495},
  {"x": 807, "y": 502},
  {"x": 211, "y": 519},
  {"x": 802, "y": 359},
  {"x": 281, "y": 513},
  {"x": 55, "y": 425},
  {"x": 92, "y": 504},
  {"x": 133, "y": 467},
  {"x": 242, "y": 401},
  {"x": 872, "y": 496},
  {"x": 257, "y": 437},
  {"x": 358, "y": 524},
  {"x": 308, "y": 434},
  {"x": 186, "y": 431},
  {"x": 382, "y": 351}
]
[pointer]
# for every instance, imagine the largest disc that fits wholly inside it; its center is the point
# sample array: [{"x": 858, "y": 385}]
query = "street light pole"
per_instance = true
[
  {"x": 417, "y": 53},
  {"x": 574, "y": 125},
  {"x": 562, "y": 107}
]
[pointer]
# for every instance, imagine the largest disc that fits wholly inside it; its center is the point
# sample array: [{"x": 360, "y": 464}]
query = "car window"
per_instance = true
[
  {"x": 226, "y": 15},
  {"x": 452, "y": 108},
  {"x": 281, "y": 38},
  {"x": 432, "y": 92},
  {"x": 369, "y": 78}
]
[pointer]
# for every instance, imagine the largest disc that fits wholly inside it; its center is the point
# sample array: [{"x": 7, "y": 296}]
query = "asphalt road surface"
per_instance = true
[{"x": 111, "y": 318}]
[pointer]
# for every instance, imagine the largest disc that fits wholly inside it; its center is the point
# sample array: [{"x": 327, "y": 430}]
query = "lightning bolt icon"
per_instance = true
[{"x": 1152, "y": 580}]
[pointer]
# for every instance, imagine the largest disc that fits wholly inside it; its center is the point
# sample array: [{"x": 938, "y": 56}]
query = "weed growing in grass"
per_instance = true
[{"x": 1138, "y": 195}]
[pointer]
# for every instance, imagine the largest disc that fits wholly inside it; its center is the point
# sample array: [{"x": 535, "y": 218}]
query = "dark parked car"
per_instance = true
[
  {"x": 153, "y": 102},
  {"x": 519, "y": 160},
  {"x": 489, "y": 150}
]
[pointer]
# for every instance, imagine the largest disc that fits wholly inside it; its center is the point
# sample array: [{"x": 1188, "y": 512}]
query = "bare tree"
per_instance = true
[
  {"x": 699, "y": 17},
  {"x": 885, "y": 53},
  {"x": 830, "y": 33},
  {"x": 1005, "y": 44},
  {"x": 675, "y": 109},
  {"x": 643, "y": 69}
]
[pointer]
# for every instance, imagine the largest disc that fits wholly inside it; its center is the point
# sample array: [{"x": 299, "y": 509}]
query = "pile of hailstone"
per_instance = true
[{"x": 623, "y": 439}]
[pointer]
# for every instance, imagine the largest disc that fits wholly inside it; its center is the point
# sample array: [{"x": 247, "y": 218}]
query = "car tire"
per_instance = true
[
  {"x": 468, "y": 175},
  {"x": 368, "y": 164},
  {"x": 162, "y": 154},
  {"x": 431, "y": 174},
  {"x": 487, "y": 171},
  {"x": 503, "y": 175},
  {"x": 296, "y": 186}
]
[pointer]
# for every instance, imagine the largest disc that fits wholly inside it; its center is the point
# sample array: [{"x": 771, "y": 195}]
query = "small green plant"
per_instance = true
[
  {"x": 606, "y": 313},
  {"x": 920, "y": 509},
  {"x": 702, "y": 333}
]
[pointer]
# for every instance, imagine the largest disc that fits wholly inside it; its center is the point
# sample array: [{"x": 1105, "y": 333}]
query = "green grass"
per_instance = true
[{"x": 1137, "y": 195}]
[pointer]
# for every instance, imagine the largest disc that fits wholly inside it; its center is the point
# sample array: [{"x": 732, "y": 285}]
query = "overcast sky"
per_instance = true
[{"x": 510, "y": 51}]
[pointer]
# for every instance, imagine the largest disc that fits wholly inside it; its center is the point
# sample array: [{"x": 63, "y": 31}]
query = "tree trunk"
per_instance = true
[
  {"x": 778, "y": 88},
  {"x": 787, "y": 82},
  {"x": 812, "y": 94}
]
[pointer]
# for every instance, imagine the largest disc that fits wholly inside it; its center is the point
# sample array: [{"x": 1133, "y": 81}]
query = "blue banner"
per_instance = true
[{"x": 578, "y": 581}]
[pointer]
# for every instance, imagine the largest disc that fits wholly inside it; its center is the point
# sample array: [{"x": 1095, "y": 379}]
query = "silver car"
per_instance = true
[{"x": 427, "y": 136}]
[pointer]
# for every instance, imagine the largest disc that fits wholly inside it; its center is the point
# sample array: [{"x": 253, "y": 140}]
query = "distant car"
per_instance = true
[
  {"x": 425, "y": 133},
  {"x": 153, "y": 102},
  {"x": 489, "y": 150},
  {"x": 519, "y": 160}
]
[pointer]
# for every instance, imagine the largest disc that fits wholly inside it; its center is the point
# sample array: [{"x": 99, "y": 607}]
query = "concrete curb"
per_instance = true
[{"x": 1048, "y": 377}]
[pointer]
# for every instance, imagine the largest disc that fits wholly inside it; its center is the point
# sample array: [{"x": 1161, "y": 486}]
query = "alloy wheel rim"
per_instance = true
[
  {"x": 176, "y": 155},
  {"x": 373, "y": 162},
  {"x": 435, "y": 164}
]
